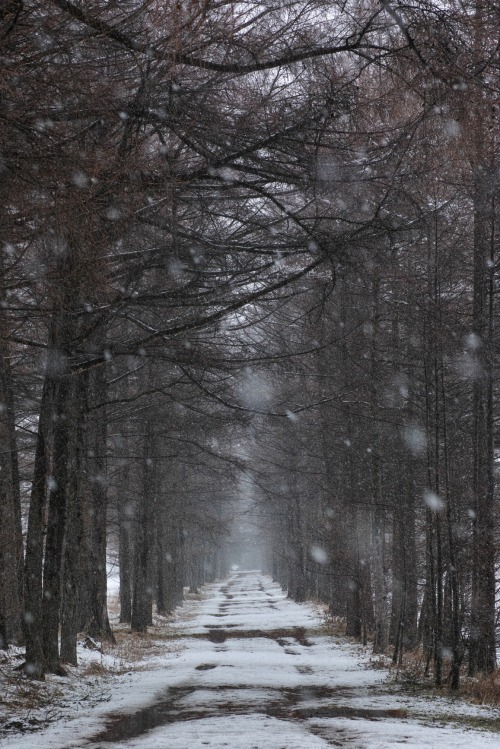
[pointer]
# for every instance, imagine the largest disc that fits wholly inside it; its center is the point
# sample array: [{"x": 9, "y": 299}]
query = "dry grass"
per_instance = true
[
  {"x": 131, "y": 649},
  {"x": 94, "y": 669},
  {"x": 333, "y": 626},
  {"x": 483, "y": 689},
  {"x": 17, "y": 692},
  {"x": 411, "y": 673}
]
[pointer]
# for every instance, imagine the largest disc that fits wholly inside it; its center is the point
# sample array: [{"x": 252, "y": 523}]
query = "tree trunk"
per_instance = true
[
  {"x": 56, "y": 525},
  {"x": 11, "y": 542},
  {"x": 35, "y": 539},
  {"x": 125, "y": 553},
  {"x": 482, "y": 653},
  {"x": 140, "y": 598},
  {"x": 72, "y": 568},
  {"x": 97, "y": 622},
  {"x": 142, "y": 592},
  {"x": 404, "y": 607},
  {"x": 380, "y": 640},
  {"x": 453, "y": 616}
]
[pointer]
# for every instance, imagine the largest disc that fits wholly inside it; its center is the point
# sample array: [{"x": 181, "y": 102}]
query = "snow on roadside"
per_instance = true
[{"x": 108, "y": 677}]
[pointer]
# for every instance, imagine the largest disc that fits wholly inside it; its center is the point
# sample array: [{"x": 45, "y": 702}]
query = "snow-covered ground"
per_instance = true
[{"x": 247, "y": 668}]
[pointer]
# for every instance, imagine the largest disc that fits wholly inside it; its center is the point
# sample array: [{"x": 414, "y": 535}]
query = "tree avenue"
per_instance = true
[{"x": 248, "y": 269}]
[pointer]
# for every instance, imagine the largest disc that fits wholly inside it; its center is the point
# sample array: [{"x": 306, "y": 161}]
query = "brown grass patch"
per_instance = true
[
  {"x": 94, "y": 669},
  {"x": 483, "y": 689},
  {"x": 132, "y": 648},
  {"x": 332, "y": 626}
]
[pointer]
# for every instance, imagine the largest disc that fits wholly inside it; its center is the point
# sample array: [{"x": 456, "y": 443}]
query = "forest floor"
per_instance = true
[{"x": 242, "y": 667}]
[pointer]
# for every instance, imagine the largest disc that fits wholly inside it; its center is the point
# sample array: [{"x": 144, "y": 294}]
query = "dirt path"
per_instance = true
[
  {"x": 259, "y": 672},
  {"x": 251, "y": 670}
]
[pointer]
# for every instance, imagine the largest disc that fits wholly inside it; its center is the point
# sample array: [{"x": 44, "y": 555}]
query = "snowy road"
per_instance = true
[{"x": 258, "y": 672}]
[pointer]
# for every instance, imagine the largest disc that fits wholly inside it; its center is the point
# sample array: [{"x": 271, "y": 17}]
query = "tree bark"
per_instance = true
[
  {"x": 33, "y": 569},
  {"x": 56, "y": 525},
  {"x": 482, "y": 652},
  {"x": 142, "y": 591},
  {"x": 404, "y": 606},
  {"x": 11, "y": 543},
  {"x": 97, "y": 623},
  {"x": 125, "y": 552},
  {"x": 72, "y": 568}
]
